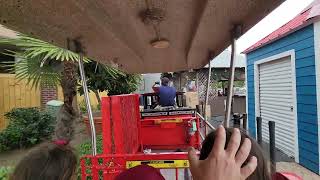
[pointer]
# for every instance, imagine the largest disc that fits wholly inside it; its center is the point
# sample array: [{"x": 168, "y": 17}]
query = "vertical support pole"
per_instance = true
[
  {"x": 89, "y": 110},
  {"x": 207, "y": 91},
  {"x": 245, "y": 122},
  {"x": 230, "y": 85},
  {"x": 259, "y": 130},
  {"x": 236, "y": 120},
  {"x": 180, "y": 83},
  {"x": 272, "y": 144},
  {"x": 234, "y": 36},
  {"x": 177, "y": 174},
  {"x": 197, "y": 81}
]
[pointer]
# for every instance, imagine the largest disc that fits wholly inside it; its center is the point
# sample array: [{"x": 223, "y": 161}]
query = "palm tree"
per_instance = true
[{"x": 44, "y": 64}]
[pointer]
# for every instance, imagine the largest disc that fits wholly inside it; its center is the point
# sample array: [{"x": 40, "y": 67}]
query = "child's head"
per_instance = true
[
  {"x": 48, "y": 161},
  {"x": 262, "y": 170}
]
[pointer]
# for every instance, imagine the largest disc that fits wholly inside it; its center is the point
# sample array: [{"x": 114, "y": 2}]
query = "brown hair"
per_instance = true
[
  {"x": 48, "y": 161},
  {"x": 262, "y": 171}
]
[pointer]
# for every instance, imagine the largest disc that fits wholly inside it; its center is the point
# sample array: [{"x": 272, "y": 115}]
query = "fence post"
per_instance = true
[
  {"x": 259, "y": 130},
  {"x": 245, "y": 122},
  {"x": 236, "y": 120},
  {"x": 198, "y": 109},
  {"x": 272, "y": 146}
]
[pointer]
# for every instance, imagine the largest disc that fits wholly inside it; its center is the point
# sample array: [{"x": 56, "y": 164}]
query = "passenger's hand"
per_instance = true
[{"x": 224, "y": 164}]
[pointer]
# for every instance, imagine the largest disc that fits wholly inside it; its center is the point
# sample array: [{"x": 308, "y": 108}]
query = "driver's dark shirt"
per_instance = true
[{"x": 167, "y": 95}]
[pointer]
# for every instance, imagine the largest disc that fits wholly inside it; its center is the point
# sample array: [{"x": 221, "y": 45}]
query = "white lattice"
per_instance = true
[{"x": 202, "y": 85}]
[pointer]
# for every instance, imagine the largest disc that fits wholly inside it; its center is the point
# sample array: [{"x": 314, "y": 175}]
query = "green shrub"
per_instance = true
[
  {"x": 5, "y": 172},
  {"x": 27, "y": 127},
  {"x": 85, "y": 149},
  {"x": 83, "y": 107}
]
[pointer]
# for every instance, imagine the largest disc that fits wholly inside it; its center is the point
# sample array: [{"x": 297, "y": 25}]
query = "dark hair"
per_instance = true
[
  {"x": 262, "y": 171},
  {"x": 48, "y": 161},
  {"x": 165, "y": 81}
]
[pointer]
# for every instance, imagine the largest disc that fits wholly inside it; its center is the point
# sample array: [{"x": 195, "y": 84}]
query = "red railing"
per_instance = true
[
  {"x": 120, "y": 124},
  {"x": 122, "y": 142}
]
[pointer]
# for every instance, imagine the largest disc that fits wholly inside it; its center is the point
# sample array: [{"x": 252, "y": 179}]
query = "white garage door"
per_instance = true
[{"x": 277, "y": 104}]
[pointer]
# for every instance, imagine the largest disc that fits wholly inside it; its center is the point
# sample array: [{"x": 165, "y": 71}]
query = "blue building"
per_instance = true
[{"x": 283, "y": 85}]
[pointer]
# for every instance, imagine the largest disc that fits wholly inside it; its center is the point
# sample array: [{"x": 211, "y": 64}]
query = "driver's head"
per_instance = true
[{"x": 165, "y": 81}]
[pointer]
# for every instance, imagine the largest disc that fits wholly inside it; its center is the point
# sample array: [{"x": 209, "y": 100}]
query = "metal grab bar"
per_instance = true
[
  {"x": 202, "y": 137},
  {"x": 89, "y": 110},
  {"x": 207, "y": 123}
]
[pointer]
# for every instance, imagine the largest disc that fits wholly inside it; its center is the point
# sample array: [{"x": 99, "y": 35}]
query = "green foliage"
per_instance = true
[
  {"x": 239, "y": 84},
  {"x": 123, "y": 84},
  {"x": 39, "y": 61},
  {"x": 85, "y": 149},
  {"x": 35, "y": 72},
  {"x": 5, "y": 172},
  {"x": 27, "y": 127},
  {"x": 33, "y": 47},
  {"x": 83, "y": 107},
  {"x": 103, "y": 78}
]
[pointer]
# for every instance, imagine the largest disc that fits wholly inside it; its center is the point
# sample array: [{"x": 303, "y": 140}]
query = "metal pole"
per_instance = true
[
  {"x": 197, "y": 81},
  {"x": 230, "y": 85},
  {"x": 207, "y": 91},
  {"x": 272, "y": 143},
  {"x": 89, "y": 110},
  {"x": 259, "y": 130},
  {"x": 245, "y": 122}
]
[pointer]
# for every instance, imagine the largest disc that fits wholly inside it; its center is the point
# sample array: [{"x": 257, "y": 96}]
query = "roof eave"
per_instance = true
[{"x": 307, "y": 23}]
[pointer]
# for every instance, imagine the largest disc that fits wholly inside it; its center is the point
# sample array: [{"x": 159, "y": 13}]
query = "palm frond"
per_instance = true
[
  {"x": 29, "y": 69},
  {"x": 33, "y": 48}
]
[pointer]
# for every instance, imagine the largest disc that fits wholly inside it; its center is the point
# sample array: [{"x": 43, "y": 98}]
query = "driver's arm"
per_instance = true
[{"x": 155, "y": 89}]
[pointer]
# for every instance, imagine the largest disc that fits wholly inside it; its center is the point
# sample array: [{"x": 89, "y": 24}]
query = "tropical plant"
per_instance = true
[
  {"x": 27, "y": 127},
  {"x": 100, "y": 79},
  {"x": 44, "y": 64}
]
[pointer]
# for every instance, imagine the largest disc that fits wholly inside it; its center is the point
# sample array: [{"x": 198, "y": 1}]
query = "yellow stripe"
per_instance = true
[
  {"x": 168, "y": 121},
  {"x": 160, "y": 164}
]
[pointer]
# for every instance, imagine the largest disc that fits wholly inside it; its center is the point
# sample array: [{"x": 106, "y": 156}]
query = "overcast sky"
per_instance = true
[{"x": 284, "y": 13}]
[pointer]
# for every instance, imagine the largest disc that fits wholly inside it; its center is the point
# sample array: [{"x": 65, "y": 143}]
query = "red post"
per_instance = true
[
  {"x": 117, "y": 125},
  {"x": 94, "y": 170},
  {"x": 106, "y": 124},
  {"x": 138, "y": 121},
  {"x": 177, "y": 174}
]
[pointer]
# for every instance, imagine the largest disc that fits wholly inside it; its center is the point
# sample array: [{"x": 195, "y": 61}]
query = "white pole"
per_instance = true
[
  {"x": 89, "y": 110},
  {"x": 207, "y": 91},
  {"x": 230, "y": 85}
]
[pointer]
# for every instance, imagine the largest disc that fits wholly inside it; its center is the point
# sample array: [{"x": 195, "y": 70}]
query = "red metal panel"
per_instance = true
[
  {"x": 114, "y": 164},
  {"x": 106, "y": 125},
  {"x": 169, "y": 135},
  {"x": 117, "y": 125},
  {"x": 120, "y": 122},
  {"x": 138, "y": 121}
]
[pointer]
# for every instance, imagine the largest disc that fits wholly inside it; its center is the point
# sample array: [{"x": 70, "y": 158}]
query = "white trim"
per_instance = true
[
  {"x": 316, "y": 28},
  {"x": 246, "y": 78},
  {"x": 290, "y": 53}
]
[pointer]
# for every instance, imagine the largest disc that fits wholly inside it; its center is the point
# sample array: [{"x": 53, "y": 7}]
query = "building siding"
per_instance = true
[{"x": 302, "y": 41}]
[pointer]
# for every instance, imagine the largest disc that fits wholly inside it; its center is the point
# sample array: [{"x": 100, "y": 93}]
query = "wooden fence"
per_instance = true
[{"x": 14, "y": 94}]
